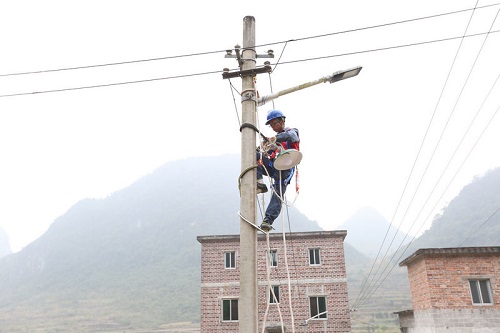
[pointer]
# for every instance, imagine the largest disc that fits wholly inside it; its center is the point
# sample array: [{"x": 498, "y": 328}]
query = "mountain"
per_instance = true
[
  {"x": 4, "y": 244},
  {"x": 366, "y": 230},
  {"x": 472, "y": 218},
  {"x": 130, "y": 260}
]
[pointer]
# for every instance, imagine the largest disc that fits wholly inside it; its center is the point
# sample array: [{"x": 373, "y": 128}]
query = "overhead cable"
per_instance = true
[
  {"x": 362, "y": 296},
  {"x": 220, "y": 71},
  {"x": 261, "y": 45}
]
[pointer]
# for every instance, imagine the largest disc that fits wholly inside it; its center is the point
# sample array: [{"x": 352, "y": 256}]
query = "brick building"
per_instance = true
[
  {"x": 453, "y": 290},
  {"x": 316, "y": 275}
]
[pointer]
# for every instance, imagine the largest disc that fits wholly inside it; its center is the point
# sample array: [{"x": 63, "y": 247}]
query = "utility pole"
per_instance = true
[
  {"x": 248, "y": 304},
  {"x": 248, "y": 298}
]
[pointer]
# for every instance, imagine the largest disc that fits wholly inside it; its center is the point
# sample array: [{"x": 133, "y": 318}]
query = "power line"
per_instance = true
[
  {"x": 389, "y": 24},
  {"x": 362, "y": 296},
  {"x": 261, "y": 45},
  {"x": 390, "y": 47},
  {"x": 111, "y": 64},
  {"x": 375, "y": 287},
  {"x": 362, "y": 291},
  {"x": 479, "y": 226},
  {"x": 220, "y": 71},
  {"x": 110, "y": 84}
]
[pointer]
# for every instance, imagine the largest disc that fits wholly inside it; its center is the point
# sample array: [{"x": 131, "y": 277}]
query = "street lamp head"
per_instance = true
[
  {"x": 345, "y": 74},
  {"x": 287, "y": 159}
]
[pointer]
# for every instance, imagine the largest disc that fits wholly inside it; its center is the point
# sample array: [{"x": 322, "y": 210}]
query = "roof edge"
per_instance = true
[
  {"x": 449, "y": 251},
  {"x": 274, "y": 235}
]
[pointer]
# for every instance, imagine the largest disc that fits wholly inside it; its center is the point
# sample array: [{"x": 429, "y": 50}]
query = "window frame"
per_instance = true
[
  {"x": 233, "y": 304},
  {"x": 272, "y": 258},
  {"x": 314, "y": 316},
  {"x": 270, "y": 299},
  {"x": 315, "y": 254},
  {"x": 232, "y": 260},
  {"x": 481, "y": 285}
]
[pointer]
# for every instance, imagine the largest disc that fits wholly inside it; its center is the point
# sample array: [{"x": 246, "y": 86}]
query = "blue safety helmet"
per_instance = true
[{"x": 273, "y": 114}]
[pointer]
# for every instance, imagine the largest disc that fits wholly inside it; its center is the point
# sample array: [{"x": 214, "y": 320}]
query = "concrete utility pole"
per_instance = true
[
  {"x": 248, "y": 305},
  {"x": 248, "y": 298}
]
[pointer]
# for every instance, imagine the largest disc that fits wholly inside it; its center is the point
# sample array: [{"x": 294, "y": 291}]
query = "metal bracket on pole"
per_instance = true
[
  {"x": 229, "y": 53},
  {"x": 248, "y": 72},
  {"x": 248, "y": 95}
]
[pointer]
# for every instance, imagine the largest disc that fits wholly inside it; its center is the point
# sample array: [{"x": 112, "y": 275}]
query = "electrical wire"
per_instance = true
[
  {"x": 261, "y": 45},
  {"x": 111, "y": 64},
  {"x": 360, "y": 298},
  {"x": 375, "y": 288},
  {"x": 372, "y": 291},
  {"x": 389, "y": 47},
  {"x": 213, "y": 72},
  {"x": 362, "y": 290},
  {"x": 232, "y": 89},
  {"x": 279, "y": 58},
  {"x": 479, "y": 227},
  {"x": 284, "y": 205},
  {"x": 110, "y": 84},
  {"x": 391, "y": 242},
  {"x": 387, "y": 24},
  {"x": 211, "y": 52},
  {"x": 220, "y": 71}
]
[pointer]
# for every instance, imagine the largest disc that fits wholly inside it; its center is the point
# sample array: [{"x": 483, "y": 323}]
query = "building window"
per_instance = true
[
  {"x": 229, "y": 260},
  {"x": 480, "y": 291},
  {"x": 229, "y": 310},
  {"x": 274, "y": 298},
  {"x": 317, "y": 304},
  {"x": 314, "y": 257},
  {"x": 273, "y": 258}
]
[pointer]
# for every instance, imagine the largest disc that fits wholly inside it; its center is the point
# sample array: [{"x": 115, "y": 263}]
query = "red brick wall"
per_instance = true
[
  {"x": 440, "y": 281},
  {"x": 327, "y": 279}
]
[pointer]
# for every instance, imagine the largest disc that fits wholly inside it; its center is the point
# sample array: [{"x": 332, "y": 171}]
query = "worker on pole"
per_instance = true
[{"x": 286, "y": 138}]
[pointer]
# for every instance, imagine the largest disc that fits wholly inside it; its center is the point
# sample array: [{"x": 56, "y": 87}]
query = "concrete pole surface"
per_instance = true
[{"x": 248, "y": 305}]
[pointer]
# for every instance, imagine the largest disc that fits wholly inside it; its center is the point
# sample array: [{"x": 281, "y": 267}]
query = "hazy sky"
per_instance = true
[{"x": 362, "y": 139}]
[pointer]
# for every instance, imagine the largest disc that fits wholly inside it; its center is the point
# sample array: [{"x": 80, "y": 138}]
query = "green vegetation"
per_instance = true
[{"x": 131, "y": 262}]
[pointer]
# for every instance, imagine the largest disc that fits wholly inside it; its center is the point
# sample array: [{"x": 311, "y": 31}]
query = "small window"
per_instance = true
[
  {"x": 273, "y": 258},
  {"x": 274, "y": 295},
  {"x": 229, "y": 260},
  {"x": 314, "y": 257},
  {"x": 317, "y": 305},
  {"x": 229, "y": 310},
  {"x": 480, "y": 291}
]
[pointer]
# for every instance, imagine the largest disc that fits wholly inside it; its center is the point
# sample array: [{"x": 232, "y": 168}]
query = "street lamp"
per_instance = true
[
  {"x": 345, "y": 74},
  {"x": 337, "y": 76}
]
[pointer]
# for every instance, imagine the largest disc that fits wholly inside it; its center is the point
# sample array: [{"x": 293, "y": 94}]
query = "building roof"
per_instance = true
[
  {"x": 404, "y": 312},
  {"x": 274, "y": 235},
  {"x": 451, "y": 251}
]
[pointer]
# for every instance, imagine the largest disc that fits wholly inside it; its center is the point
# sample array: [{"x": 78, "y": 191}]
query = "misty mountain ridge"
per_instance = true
[
  {"x": 131, "y": 260},
  {"x": 367, "y": 229},
  {"x": 126, "y": 255},
  {"x": 470, "y": 219}
]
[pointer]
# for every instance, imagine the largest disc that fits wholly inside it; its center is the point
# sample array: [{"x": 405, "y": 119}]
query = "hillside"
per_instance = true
[
  {"x": 130, "y": 260},
  {"x": 367, "y": 228},
  {"x": 472, "y": 218}
]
